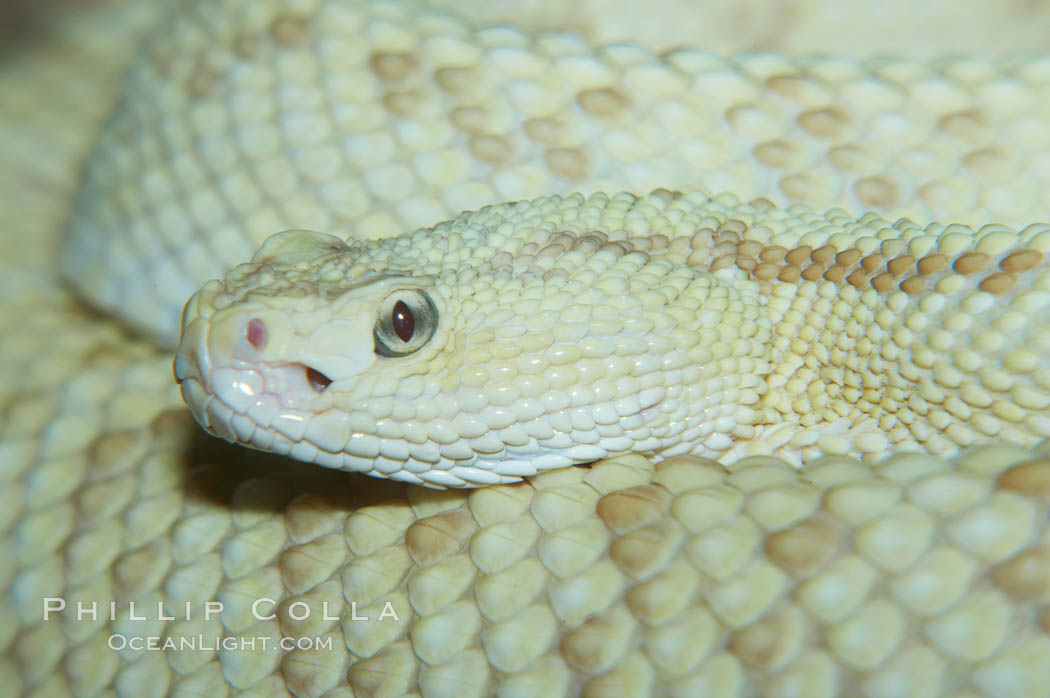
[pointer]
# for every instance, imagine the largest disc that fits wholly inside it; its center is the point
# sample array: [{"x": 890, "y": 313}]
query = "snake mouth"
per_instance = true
[{"x": 316, "y": 380}]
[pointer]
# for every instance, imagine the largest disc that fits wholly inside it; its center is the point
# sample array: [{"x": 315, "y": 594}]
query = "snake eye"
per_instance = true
[{"x": 407, "y": 320}]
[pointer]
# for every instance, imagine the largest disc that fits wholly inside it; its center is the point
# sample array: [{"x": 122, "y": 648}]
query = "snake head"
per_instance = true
[
  {"x": 515, "y": 339},
  {"x": 287, "y": 338}
]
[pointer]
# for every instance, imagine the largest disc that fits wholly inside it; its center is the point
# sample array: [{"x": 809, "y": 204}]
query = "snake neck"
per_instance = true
[{"x": 906, "y": 353}]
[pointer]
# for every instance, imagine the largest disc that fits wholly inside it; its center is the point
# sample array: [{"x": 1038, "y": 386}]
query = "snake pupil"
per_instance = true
[{"x": 404, "y": 323}]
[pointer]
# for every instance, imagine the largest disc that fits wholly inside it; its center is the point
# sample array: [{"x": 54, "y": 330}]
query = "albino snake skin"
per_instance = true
[{"x": 824, "y": 467}]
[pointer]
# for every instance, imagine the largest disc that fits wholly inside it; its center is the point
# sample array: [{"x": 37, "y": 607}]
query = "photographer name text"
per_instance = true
[{"x": 263, "y": 608}]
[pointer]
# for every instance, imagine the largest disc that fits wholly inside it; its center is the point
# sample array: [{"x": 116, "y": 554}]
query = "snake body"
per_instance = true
[
  {"x": 379, "y": 118},
  {"x": 906, "y": 555}
]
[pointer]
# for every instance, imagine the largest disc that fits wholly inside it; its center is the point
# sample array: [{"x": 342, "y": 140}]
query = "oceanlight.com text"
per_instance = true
[{"x": 214, "y": 643}]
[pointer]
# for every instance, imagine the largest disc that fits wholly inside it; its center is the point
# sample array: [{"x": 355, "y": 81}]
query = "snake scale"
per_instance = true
[{"x": 859, "y": 506}]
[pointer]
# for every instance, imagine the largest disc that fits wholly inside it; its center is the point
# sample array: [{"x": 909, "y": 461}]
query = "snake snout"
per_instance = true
[{"x": 255, "y": 332}]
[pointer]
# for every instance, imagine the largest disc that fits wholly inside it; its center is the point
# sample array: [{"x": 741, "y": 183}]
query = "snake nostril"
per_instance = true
[
  {"x": 317, "y": 380},
  {"x": 256, "y": 334}
]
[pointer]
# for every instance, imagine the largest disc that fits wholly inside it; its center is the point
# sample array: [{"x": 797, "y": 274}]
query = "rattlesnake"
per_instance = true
[{"x": 914, "y": 574}]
